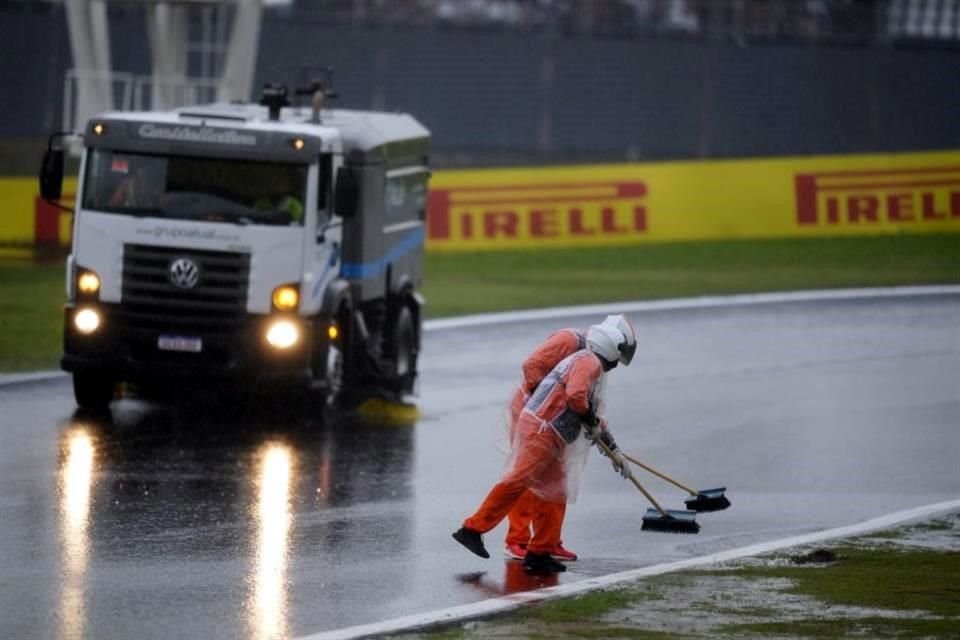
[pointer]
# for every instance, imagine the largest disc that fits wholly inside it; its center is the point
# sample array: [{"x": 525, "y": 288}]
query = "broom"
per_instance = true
[
  {"x": 703, "y": 500},
  {"x": 658, "y": 518}
]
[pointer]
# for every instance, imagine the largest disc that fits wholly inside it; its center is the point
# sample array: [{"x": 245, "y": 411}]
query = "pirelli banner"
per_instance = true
[
  {"x": 704, "y": 200},
  {"x": 636, "y": 203}
]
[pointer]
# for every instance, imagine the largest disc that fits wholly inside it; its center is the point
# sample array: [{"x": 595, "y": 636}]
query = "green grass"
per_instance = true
[
  {"x": 471, "y": 283},
  {"x": 598, "y": 631},
  {"x": 31, "y": 295},
  {"x": 580, "y": 617},
  {"x": 31, "y": 315},
  {"x": 591, "y": 605},
  {"x": 885, "y": 579},
  {"x": 841, "y": 628},
  {"x": 917, "y": 581}
]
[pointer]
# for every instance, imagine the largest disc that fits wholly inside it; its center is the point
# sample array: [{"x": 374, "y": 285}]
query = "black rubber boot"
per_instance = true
[
  {"x": 542, "y": 563},
  {"x": 471, "y": 540}
]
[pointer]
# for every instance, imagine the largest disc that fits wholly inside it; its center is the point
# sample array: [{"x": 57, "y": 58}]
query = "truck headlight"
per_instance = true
[
  {"x": 282, "y": 334},
  {"x": 88, "y": 282},
  {"x": 286, "y": 297},
  {"x": 86, "y": 321}
]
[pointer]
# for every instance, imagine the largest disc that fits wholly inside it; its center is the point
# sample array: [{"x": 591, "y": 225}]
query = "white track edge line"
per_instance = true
[
  {"x": 671, "y": 304},
  {"x": 33, "y": 376},
  {"x": 643, "y": 306},
  {"x": 514, "y": 601}
]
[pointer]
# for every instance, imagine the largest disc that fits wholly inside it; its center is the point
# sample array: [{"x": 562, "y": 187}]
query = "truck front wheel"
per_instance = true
[
  {"x": 93, "y": 391},
  {"x": 336, "y": 369}
]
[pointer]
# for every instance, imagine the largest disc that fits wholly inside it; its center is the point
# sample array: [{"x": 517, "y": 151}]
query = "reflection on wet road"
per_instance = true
[
  {"x": 198, "y": 521},
  {"x": 268, "y": 608},
  {"x": 217, "y": 521},
  {"x": 76, "y": 476}
]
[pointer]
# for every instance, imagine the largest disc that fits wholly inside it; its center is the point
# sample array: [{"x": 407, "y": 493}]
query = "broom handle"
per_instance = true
[
  {"x": 606, "y": 450},
  {"x": 659, "y": 474}
]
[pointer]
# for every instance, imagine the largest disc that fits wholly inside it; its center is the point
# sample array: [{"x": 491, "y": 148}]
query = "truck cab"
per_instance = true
[{"x": 264, "y": 244}]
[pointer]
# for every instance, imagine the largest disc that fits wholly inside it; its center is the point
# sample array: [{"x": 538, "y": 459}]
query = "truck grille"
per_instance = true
[{"x": 216, "y": 304}]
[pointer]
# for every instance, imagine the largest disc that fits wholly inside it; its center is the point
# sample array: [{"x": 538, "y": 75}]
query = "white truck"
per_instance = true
[{"x": 260, "y": 244}]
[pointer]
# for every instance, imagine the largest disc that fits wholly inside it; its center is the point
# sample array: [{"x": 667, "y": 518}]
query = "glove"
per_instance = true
[
  {"x": 592, "y": 434},
  {"x": 590, "y": 418},
  {"x": 607, "y": 438},
  {"x": 620, "y": 465},
  {"x": 616, "y": 458},
  {"x": 599, "y": 434}
]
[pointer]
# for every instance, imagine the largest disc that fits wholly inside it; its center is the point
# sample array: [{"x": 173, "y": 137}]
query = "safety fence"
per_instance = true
[{"x": 637, "y": 203}]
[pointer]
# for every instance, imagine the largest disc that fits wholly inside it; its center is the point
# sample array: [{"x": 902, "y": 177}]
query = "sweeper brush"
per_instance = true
[
  {"x": 703, "y": 500},
  {"x": 670, "y": 521},
  {"x": 659, "y": 519},
  {"x": 708, "y": 500}
]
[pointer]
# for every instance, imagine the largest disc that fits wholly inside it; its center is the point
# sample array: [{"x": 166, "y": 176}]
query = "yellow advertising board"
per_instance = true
[
  {"x": 26, "y": 220},
  {"x": 619, "y": 204},
  {"x": 698, "y": 200}
]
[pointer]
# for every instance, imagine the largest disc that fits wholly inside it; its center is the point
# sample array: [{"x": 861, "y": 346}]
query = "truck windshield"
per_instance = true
[{"x": 192, "y": 188}]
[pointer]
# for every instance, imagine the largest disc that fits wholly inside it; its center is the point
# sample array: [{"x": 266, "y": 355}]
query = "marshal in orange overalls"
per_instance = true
[
  {"x": 551, "y": 419},
  {"x": 544, "y": 358}
]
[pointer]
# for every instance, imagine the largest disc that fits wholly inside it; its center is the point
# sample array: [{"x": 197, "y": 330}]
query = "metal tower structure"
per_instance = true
[{"x": 200, "y": 50}]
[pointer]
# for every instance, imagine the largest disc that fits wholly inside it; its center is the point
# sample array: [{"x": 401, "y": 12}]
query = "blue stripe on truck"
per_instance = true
[{"x": 362, "y": 270}]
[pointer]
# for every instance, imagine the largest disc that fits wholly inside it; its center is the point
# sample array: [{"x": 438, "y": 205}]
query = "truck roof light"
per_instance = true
[
  {"x": 298, "y": 143},
  {"x": 99, "y": 129}
]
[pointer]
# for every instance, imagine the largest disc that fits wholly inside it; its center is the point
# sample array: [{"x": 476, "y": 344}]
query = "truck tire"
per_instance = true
[
  {"x": 333, "y": 382},
  {"x": 404, "y": 350},
  {"x": 335, "y": 370},
  {"x": 93, "y": 391}
]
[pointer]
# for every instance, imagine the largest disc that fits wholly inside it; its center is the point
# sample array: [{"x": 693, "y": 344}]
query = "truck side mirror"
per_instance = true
[
  {"x": 347, "y": 193},
  {"x": 51, "y": 174}
]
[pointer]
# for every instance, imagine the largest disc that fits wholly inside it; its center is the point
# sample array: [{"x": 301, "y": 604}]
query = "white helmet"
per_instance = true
[
  {"x": 604, "y": 340},
  {"x": 629, "y": 347}
]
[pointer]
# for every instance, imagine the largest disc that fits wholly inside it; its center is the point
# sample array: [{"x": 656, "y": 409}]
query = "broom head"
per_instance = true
[
  {"x": 674, "y": 522},
  {"x": 709, "y": 500}
]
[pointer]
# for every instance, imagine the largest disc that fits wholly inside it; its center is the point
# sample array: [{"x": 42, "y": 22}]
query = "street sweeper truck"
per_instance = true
[{"x": 270, "y": 245}]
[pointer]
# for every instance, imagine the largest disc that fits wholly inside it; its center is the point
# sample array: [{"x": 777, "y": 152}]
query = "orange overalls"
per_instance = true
[
  {"x": 549, "y": 421},
  {"x": 544, "y": 358}
]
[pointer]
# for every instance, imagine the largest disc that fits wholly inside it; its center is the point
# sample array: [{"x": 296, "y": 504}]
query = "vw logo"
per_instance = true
[{"x": 184, "y": 273}]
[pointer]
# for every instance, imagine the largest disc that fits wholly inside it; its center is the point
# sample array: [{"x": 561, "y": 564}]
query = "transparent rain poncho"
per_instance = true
[
  {"x": 558, "y": 345},
  {"x": 543, "y": 460}
]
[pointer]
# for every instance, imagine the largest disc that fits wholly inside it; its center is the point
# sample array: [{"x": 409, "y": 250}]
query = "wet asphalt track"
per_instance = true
[{"x": 213, "y": 522}]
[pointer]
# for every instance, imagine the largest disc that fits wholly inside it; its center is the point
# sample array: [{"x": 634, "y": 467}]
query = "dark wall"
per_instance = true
[
  {"x": 498, "y": 96},
  {"x": 33, "y": 51},
  {"x": 633, "y": 99},
  {"x": 478, "y": 89}
]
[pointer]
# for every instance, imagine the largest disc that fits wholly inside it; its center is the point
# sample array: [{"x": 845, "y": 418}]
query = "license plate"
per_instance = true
[{"x": 180, "y": 343}]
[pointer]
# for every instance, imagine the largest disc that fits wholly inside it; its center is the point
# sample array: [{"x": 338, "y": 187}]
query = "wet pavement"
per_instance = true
[{"x": 217, "y": 521}]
